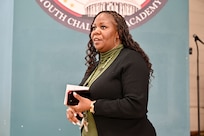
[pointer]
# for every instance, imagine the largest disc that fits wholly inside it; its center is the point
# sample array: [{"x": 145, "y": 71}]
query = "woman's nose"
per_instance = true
[{"x": 96, "y": 31}]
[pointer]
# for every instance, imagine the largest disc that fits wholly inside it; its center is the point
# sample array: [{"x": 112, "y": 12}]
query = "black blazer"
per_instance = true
[{"x": 121, "y": 95}]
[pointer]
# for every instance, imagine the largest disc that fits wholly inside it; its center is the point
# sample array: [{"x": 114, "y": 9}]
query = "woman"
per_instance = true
[{"x": 118, "y": 82}]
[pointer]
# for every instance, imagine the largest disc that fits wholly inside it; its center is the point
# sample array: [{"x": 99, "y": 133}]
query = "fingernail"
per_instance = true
[
  {"x": 78, "y": 123},
  {"x": 74, "y": 93},
  {"x": 75, "y": 114},
  {"x": 73, "y": 123}
]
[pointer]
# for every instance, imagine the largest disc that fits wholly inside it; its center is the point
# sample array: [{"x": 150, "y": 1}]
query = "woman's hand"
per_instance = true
[
  {"x": 72, "y": 111},
  {"x": 72, "y": 116},
  {"x": 83, "y": 105}
]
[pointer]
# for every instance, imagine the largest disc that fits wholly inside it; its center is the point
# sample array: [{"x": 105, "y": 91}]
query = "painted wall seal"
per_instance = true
[{"x": 78, "y": 14}]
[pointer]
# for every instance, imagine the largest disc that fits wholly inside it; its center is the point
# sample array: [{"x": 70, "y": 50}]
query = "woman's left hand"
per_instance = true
[{"x": 83, "y": 105}]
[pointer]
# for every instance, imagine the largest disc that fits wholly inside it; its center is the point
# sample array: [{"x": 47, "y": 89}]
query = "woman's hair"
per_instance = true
[{"x": 125, "y": 38}]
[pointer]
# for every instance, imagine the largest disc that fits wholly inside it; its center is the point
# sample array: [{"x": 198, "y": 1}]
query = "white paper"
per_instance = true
[{"x": 75, "y": 88}]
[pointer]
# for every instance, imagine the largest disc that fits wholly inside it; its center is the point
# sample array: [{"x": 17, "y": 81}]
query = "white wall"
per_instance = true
[
  {"x": 196, "y": 24},
  {"x": 6, "y": 31}
]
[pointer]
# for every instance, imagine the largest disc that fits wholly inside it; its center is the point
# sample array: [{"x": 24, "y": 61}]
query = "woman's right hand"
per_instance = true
[{"x": 72, "y": 116}]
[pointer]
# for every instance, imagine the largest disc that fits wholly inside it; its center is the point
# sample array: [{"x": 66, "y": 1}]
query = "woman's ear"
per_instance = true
[{"x": 117, "y": 35}]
